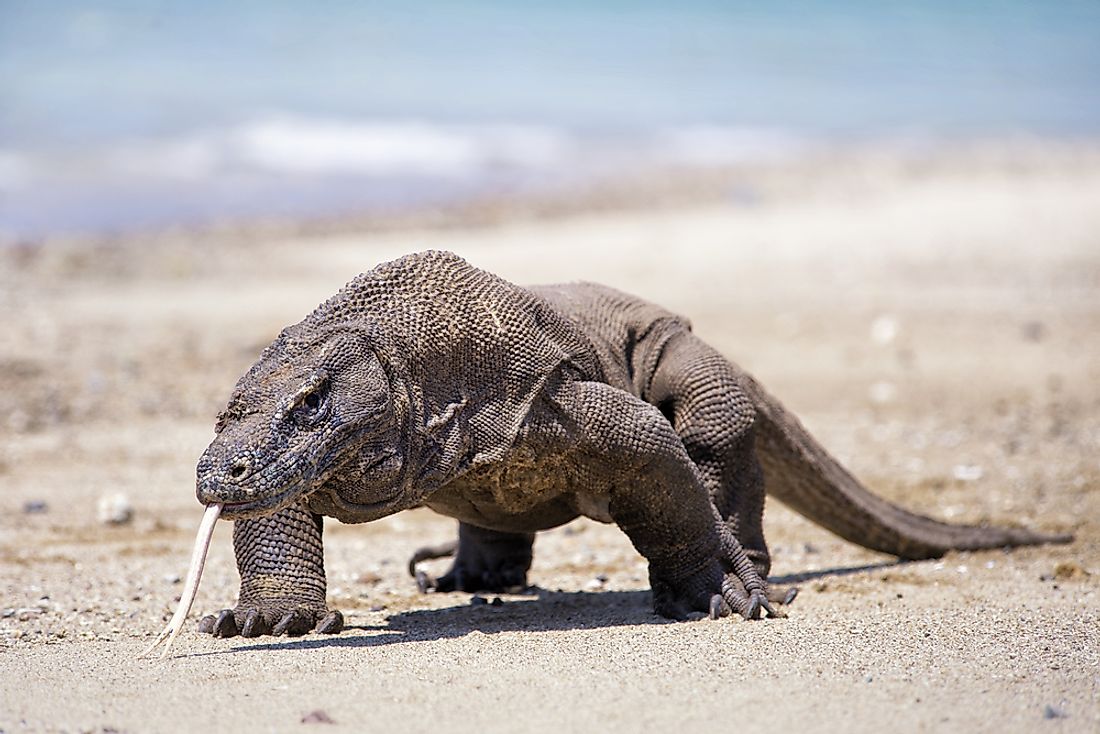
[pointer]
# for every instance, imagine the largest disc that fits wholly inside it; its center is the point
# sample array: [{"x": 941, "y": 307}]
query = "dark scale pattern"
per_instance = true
[{"x": 428, "y": 381}]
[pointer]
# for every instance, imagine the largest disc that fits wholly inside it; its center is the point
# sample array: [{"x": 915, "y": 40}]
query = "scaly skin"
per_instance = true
[{"x": 428, "y": 382}]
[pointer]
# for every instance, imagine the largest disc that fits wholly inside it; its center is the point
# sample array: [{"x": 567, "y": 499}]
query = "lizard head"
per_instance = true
[{"x": 307, "y": 412}]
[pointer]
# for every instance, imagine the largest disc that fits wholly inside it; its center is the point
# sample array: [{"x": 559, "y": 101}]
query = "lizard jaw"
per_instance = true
[{"x": 261, "y": 507}]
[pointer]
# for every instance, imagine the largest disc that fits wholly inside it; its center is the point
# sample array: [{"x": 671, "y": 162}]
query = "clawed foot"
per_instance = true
[
  {"x": 729, "y": 585},
  {"x": 254, "y": 622},
  {"x": 486, "y": 568},
  {"x": 734, "y": 598},
  {"x": 460, "y": 578}
]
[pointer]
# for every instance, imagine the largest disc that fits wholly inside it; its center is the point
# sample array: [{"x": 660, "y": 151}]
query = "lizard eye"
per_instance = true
[{"x": 309, "y": 404}]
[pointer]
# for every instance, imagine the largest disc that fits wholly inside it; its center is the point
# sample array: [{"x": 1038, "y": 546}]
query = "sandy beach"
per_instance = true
[{"x": 932, "y": 318}]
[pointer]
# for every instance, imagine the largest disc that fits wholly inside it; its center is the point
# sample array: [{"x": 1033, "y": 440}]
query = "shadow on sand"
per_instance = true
[{"x": 539, "y": 610}]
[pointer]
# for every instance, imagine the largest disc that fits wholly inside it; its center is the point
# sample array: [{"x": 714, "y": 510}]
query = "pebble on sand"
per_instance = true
[
  {"x": 882, "y": 392},
  {"x": 967, "y": 472},
  {"x": 884, "y": 329},
  {"x": 114, "y": 509},
  {"x": 317, "y": 717}
]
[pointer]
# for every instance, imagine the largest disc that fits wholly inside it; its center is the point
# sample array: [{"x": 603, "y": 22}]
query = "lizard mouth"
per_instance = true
[{"x": 261, "y": 507}]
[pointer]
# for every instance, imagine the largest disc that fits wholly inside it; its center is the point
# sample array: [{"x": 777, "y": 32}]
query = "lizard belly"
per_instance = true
[{"x": 521, "y": 495}]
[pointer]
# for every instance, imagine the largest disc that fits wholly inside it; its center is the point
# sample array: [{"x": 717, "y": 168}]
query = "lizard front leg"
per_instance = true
[
  {"x": 699, "y": 391},
  {"x": 657, "y": 497},
  {"x": 281, "y": 562}
]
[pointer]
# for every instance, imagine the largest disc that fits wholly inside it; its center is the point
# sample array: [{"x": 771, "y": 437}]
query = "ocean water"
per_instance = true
[{"x": 120, "y": 116}]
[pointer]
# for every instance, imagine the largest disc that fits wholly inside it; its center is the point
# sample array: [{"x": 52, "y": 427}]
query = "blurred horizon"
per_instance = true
[{"x": 131, "y": 115}]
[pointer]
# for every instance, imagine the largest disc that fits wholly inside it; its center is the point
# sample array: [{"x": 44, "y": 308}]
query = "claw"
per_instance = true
[
  {"x": 225, "y": 625},
  {"x": 283, "y": 624},
  {"x": 206, "y": 624},
  {"x": 753, "y": 612},
  {"x": 429, "y": 552},
  {"x": 254, "y": 624},
  {"x": 293, "y": 624},
  {"x": 332, "y": 624},
  {"x": 718, "y": 607},
  {"x": 424, "y": 582}
]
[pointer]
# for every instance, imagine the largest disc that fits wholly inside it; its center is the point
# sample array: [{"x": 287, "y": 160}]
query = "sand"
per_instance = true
[{"x": 932, "y": 318}]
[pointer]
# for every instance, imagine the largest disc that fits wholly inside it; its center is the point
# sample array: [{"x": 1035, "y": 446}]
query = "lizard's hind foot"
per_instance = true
[{"x": 484, "y": 560}]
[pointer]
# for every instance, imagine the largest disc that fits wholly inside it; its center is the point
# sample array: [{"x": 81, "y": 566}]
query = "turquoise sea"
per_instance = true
[{"x": 118, "y": 116}]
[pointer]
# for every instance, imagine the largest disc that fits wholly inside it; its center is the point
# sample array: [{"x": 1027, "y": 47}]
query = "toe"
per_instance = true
[
  {"x": 425, "y": 583},
  {"x": 781, "y": 594},
  {"x": 225, "y": 625},
  {"x": 293, "y": 624},
  {"x": 332, "y": 623},
  {"x": 283, "y": 624},
  {"x": 255, "y": 624},
  {"x": 206, "y": 624}
]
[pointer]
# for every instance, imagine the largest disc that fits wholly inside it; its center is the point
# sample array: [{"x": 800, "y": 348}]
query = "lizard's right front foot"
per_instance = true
[
  {"x": 728, "y": 585},
  {"x": 272, "y": 618}
]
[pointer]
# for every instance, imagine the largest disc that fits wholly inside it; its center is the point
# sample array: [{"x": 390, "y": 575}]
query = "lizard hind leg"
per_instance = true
[{"x": 484, "y": 560}]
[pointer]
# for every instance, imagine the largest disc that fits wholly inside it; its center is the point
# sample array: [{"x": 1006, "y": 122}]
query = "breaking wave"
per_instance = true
[{"x": 299, "y": 166}]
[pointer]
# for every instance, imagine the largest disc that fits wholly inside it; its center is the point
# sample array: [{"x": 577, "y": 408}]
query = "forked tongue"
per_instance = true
[{"x": 191, "y": 587}]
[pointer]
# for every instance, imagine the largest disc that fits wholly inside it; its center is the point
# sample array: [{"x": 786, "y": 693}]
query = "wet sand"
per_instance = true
[{"x": 932, "y": 320}]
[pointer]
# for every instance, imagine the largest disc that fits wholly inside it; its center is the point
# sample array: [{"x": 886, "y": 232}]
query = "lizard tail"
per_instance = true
[{"x": 802, "y": 475}]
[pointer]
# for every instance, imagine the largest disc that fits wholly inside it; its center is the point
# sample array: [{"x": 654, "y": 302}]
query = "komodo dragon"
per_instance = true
[{"x": 428, "y": 382}]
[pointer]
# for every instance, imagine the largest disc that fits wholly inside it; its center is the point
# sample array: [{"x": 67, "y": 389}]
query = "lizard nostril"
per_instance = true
[{"x": 240, "y": 466}]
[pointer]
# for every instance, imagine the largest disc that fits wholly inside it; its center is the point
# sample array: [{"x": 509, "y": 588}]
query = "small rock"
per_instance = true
[
  {"x": 115, "y": 509},
  {"x": 369, "y": 577},
  {"x": 967, "y": 472},
  {"x": 1054, "y": 712},
  {"x": 1033, "y": 331},
  {"x": 477, "y": 601},
  {"x": 1069, "y": 570},
  {"x": 884, "y": 329},
  {"x": 317, "y": 717},
  {"x": 171, "y": 578},
  {"x": 595, "y": 584},
  {"x": 496, "y": 602},
  {"x": 35, "y": 507},
  {"x": 882, "y": 392}
]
